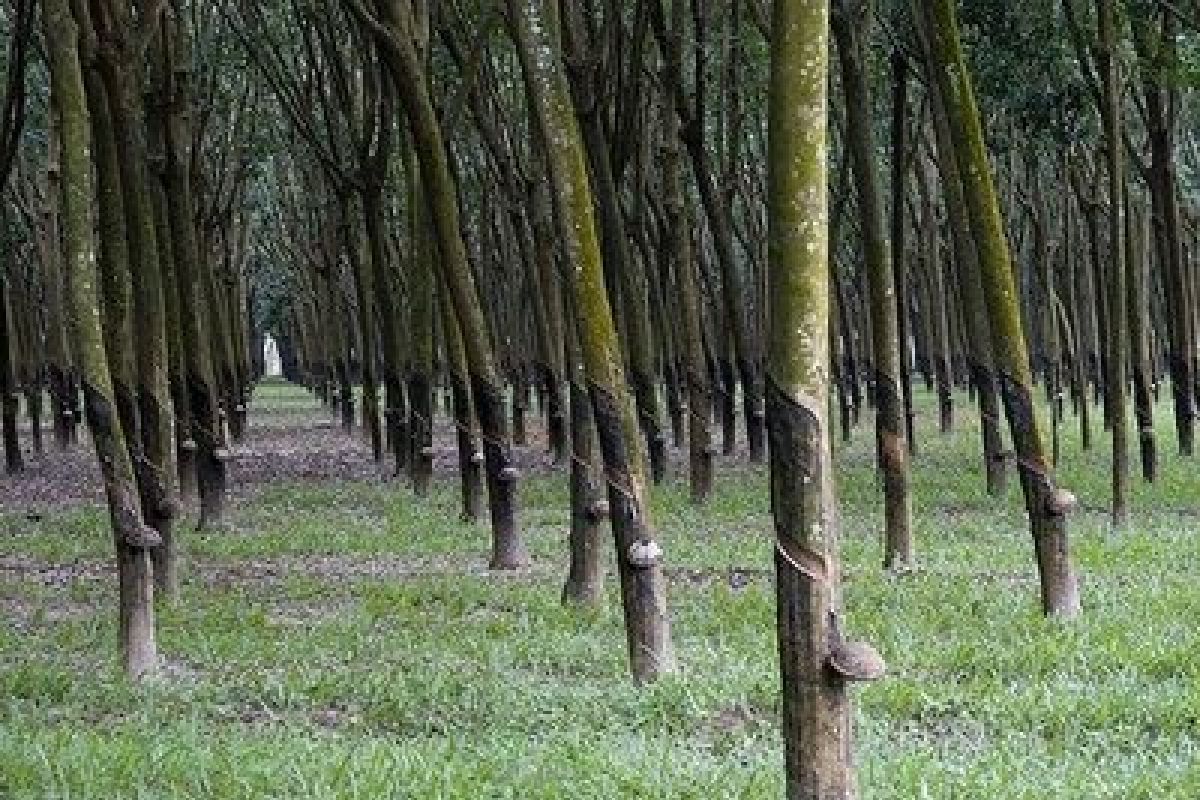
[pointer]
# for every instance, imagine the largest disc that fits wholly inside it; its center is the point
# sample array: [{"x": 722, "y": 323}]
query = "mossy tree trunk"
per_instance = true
[
  {"x": 851, "y": 21},
  {"x": 393, "y": 26},
  {"x": 132, "y": 536},
  {"x": 535, "y": 28},
  {"x": 678, "y": 247},
  {"x": 205, "y": 433},
  {"x": 584, "y": 586},
  {"x": 157, "y": 120},
  {"x": 1115, "y": 383},
  {"x": 470, "y": 457},
  {"x": 116, "y": 281},
  {"x": 615, "y": 234},
  {"x": 1046, "y": 503},
  {"x": 60, "y": 379},
  {"x": 120, "y": 65},
  {"x": 816, "y": 705},
  {"x": 420, "y": 338}
]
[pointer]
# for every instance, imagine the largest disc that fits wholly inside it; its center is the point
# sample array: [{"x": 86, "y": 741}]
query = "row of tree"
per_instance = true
[{"x": 636, "y": 213}]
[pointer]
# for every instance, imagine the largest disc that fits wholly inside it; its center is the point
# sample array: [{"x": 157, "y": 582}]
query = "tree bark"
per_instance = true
[
  {"x": 891, "y": 447},
  {"x": 1115, "y": 383},
  {"x": 1138, "y": 240},
  {"x": 584, "y": 586},
  {"x": 470, "y": 458},
  {"x": 393, "y": 31},
  {"x": 1046, "y": 503},
  {"x": 120, "y": 68},
  {"x": 679, "y": 251},
  {"x": 420, "y": 351},
  {"x": 639, "y": 556},
  {"x": 206, "y": 433},
  {"x": 899, "y": 249},
  {"x": 133, "y": 538},
  {"x": 816, "y": 704}
]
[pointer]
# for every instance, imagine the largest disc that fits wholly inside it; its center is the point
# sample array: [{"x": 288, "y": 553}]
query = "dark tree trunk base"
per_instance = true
[
  {"x": 14, "y": 462},
  {"x": 469, "y": 461},
  {"x": 584, "y": 586},
  {"x": 210, "y": 471},
  {"x": 639, "y": 564},
  {"x": 508, "y": 549}
]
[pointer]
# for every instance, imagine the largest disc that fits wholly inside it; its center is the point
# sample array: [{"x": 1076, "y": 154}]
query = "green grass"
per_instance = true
[{"x": 344, "y": 641}]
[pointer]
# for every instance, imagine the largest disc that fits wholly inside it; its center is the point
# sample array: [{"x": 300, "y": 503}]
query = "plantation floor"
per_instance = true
[{"x": 342, "y": 640}]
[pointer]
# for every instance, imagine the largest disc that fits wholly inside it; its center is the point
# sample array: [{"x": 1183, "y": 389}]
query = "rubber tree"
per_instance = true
[
  {"x": 816, "y": 664},
  {"x": 392, "y": 24},
  {"x": 898, "y": 227},
  {"x": 420, "y": 339},
  {"x": 206, "y": 433},
  {"x": 133, "y": 538},
  {"x": 1046, "y": 503},
  {"x": 1115, "y": 384},
  {"x": 470, "y": 457},
  {"x": 60, "y": 375},
  {"x": 535, "y": 28},
  {"x": 120, "y": 58},
  {"x": 21, "y": 20},
  {"x": 678, "y": 248},
  {"x": 851, "y": 21},
  {"x": 158, "y": 104},
  {"x": 10, "y": 403},
  {"x": 1141, "y": 362},
  {"x": 1157, "y": 48},
  {"x": 584, "y": 586},
  {"x": 626, "y": 280},
  {"x": 733, "y": 313}
]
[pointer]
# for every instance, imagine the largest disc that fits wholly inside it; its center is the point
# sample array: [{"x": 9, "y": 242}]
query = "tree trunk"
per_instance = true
[
  {"x": 1046, "y": 503},
  {"x": 132, "y": 536},
  {"x": 393, "y": 32},
  {"x": 551, "y": 295},
  {"x": 389, "y": 325},
  {"x": 365, "y": 294},
  {"x": 120, "y": 67},
  {"x": 10, "y": 403},
  {"x": 816, "y": 705},
  {"x": 584, "y": 586},
  {"x": 58, "y": 366},
  {"x": 889, "y": 401},
  {"x": 1163, "y": 182},
  {"x": 1076, "y": 311},
  {"x": 206, "y": 433},
  {"x": 1114, "y": 381},
  {"x": 678, "y": 247},
  {"x": 420, "y": 351},
  {"x": 938, "y": 297},
  {"x": 1138, "y": 240},
  {"x": 470, "y": 458},
  {"x": 899, "y": 248},
  {"x": 631, "y": 284},
  {"x": 639, "y": 557}
]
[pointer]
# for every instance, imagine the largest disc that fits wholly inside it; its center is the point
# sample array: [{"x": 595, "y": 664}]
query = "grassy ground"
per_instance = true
[{"x": 342, "y": 640}]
